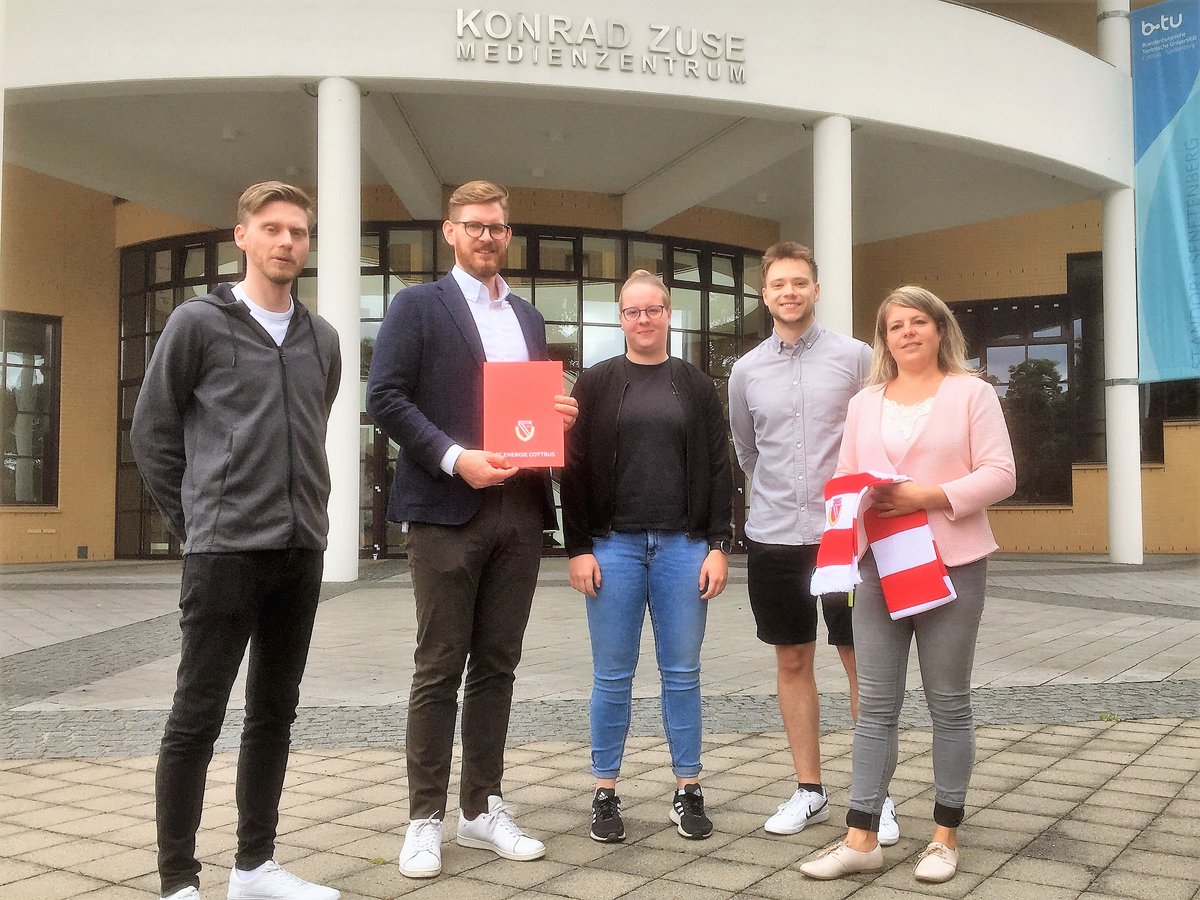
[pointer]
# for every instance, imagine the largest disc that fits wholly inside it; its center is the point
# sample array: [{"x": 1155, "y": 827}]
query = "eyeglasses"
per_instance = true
[
  {"x": 633, "y": 313},
  {"x": 475, "y": 229}
]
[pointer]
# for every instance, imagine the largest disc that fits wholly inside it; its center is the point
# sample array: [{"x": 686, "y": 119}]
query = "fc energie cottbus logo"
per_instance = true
[
  {"x": 835, "y": 510},
  {"x": 524, "y": 429}
]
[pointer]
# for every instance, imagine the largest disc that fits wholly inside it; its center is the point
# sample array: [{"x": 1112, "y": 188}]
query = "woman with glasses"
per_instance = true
[{"x": 647, "y": 499}]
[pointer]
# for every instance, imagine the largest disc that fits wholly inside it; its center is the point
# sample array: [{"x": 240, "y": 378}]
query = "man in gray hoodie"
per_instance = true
[{"x": 229, "y": 435}]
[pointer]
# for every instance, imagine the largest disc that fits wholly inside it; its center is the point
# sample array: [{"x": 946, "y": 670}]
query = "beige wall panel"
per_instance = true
[
  {"x": 136, "y": 223},
  {"x": 60, "y": 259},
  {"x": 703, "y": 223},
  {"x": 379, "y": 204},
  {"x": 1170, "y": 514},
  {"x": 1017, "y": 256}
]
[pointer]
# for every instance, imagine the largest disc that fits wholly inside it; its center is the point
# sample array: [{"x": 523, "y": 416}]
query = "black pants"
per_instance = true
[
  {"x": 267, "y": 598},
  {"x": 473, "y": 586}
]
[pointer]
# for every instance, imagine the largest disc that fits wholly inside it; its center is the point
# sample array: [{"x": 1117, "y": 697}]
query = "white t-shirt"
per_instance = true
[{"x": 276, "y": 323}]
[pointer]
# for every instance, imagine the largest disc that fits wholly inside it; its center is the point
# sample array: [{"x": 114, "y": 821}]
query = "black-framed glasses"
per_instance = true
[
  {"x": 633, "y": 313},
  {"x": 475, "y": 229}
]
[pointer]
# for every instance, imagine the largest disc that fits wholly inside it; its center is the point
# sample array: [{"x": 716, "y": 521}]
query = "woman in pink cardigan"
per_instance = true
[{"x": 927, "y": 416}]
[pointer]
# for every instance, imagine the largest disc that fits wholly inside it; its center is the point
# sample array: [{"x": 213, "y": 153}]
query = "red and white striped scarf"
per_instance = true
[{"x": 911, "y": 571}]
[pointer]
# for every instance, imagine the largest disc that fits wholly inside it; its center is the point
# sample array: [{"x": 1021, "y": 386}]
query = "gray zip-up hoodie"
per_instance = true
[{"x": 229, "y": 429}]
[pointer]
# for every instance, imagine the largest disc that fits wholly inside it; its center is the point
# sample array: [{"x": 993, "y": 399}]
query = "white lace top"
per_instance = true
[{"x": 901, "y": 425}]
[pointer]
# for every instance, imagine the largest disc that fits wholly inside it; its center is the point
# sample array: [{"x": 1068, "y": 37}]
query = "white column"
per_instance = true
[
  {"x": 833, "y": 237},
  {"x": 1121, "y": 407},
  {"x": 339, "y": 211},
  {"x": 3, "y": 39}
]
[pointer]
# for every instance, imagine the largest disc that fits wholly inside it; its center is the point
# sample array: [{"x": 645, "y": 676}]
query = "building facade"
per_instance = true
[{"x": 908, "y": 141}]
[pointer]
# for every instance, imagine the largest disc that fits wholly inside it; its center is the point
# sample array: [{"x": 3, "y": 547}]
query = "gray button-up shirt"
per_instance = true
[{"x": 787, "y": 410}]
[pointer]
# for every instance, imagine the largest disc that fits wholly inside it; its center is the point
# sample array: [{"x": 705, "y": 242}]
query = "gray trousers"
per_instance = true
[{"x": 946, "y": 652}]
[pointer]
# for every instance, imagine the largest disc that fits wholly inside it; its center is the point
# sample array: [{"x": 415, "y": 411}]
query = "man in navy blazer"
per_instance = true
[{"x": 475, "y": 524}]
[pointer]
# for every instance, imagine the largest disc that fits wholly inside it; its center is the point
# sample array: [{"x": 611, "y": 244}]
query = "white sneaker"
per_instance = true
[
  {"x": 421, "y": 855},
  {"x": 889, "y": 828},
  {"x": 495, "y": 830},
  {"x": 187, "y": 893},
  {"x": 803, "y": 808},
  {"x": 273, "y": 882}
]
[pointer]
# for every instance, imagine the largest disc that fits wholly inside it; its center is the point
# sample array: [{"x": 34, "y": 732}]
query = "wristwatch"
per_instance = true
[{"x": 725, "y": 547}]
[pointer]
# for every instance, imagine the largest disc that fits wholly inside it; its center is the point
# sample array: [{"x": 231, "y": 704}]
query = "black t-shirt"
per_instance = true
[{"x": 651, "y": 489}]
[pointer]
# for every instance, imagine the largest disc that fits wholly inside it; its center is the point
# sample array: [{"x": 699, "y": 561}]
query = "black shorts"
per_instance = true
[{"x": 777, "y": 578}]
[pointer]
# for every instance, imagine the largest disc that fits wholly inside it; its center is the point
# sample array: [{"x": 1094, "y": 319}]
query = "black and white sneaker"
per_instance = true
[
  {"x": 607, "y": 825},
  {"x": 687, "y": 811}
]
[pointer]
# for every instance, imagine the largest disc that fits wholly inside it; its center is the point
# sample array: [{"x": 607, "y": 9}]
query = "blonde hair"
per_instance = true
[
  {"x": 642, "y": 276},
  {"x": 259, "y": 195},
  {"x": 477, "y": 192},
  {"x": 952, "y": 348}
]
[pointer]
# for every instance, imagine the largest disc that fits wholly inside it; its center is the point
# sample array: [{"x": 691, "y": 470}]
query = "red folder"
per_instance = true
[{"x": 519, "y": 419}]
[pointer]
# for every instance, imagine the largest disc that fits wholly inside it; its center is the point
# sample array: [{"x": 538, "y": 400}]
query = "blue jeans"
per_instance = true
[{"x": 659, "y": 570}]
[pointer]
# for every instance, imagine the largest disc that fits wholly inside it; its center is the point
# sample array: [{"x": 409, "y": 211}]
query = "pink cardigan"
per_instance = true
[{"x": 963, "y": 448}]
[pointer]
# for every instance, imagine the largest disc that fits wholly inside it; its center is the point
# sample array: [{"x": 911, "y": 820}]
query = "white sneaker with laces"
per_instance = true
[
  {"x": 421, "y": 855},
  {"x": 803, "y": 808},
  {"x": 889, "y": 827},
  {"x": 495, "y": 830},
  {"x": 273, "y": 882},
  {"x": 185, "y": 893}
]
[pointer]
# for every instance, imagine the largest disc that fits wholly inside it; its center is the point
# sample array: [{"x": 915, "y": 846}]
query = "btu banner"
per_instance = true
[{"x": 1166, "y": 116}]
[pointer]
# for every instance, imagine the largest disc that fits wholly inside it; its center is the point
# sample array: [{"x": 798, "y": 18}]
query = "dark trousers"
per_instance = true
[
  {"x": 267, "y": 598},
  {"x": 474, "y": 586}
]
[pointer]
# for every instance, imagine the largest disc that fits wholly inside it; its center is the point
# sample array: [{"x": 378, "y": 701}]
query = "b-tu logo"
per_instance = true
[{"x": 1165, "y": 23}]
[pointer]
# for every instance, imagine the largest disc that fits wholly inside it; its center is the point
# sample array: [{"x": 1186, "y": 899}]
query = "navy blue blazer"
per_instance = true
[{"x": 425, "y": 392}]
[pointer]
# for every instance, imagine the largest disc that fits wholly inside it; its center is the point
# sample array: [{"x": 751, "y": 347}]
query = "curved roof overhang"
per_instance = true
[{"x": 959, "y": 116}]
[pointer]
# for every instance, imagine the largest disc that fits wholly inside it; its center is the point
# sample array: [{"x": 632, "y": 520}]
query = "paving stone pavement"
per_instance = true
[{"x": 1087, "y": 780}]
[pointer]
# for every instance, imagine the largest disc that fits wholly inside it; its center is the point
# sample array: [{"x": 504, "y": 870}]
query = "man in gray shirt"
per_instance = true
[{"x": 787, "y": 409}]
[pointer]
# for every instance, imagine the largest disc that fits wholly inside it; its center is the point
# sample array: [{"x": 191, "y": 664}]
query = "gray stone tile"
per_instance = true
[
  {"x": 1141, "y": 886},
  {"x": 1047, "y": 872}
]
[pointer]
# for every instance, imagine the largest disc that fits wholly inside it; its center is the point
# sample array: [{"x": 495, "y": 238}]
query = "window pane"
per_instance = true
[
  {"x": 1000, "y": 360},
  {"x": 601, "y": 257},
  {"x": 556, "y": 255},
  {"x": 752, "y": 274},
  {"x": 154, "y": 531},
  {"x": 557, "y": 300},
  {"x": 128, "y": 537},
  {"x": 29, "y": 376},
  {"x": 133, "y": 358},
  {"x": 129, "y": 395},
  {"x": 397, "y": 283},
  {"x": 645, "y": 255},
  {"x": 563, "y": 341},
  {"x": 687, "y": 265},
  {"x": 410, "y": 249},
  {"x": 518, "y": 254},
  {"x": 162, "y": 266},
  {"x": 722, "y": 271},
  {"x": 129, "y": 489},
  {"x": 193, "y": 262},
  {"x": 371, "y": 296},
  {"x": 1056, "y": 354},
  {"x": 369, "y": 256},
  {"x": 600, "y": 303},
  {"x": 600, "y": 343},
  {"x": 685, "y": 308},
  {"x": 370, "y": 332},
  {"x": 722, "y": 353},
  {"x": 229, "y": 259},
  {"x": 306, "y": 291},
  {"x": 687, "y": 346},
  {"x": 162, "y": 303},
  {"x": 722, "y": 314},
  {"x": 133, "y": 271}
]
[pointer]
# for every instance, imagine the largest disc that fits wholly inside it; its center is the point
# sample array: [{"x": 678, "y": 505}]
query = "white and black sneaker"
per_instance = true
[
  {"x": 687, "y": 811},
  {"x": 804, "y": 808},
  {"x": 607, "y": 825}
]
